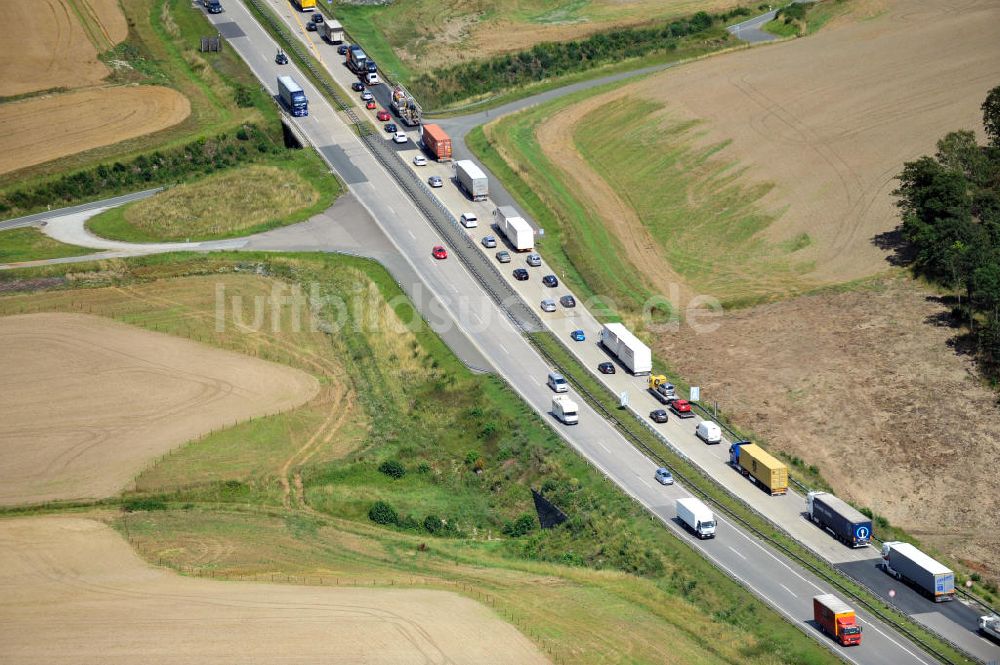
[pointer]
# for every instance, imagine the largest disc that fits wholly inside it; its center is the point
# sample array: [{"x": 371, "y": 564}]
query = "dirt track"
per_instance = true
[
  {"x": 88, "y": 402},
  {"x": 41, "y": 129},
  {"x": 830, "y": 119},
  {"x": 74, "y": 591},
  {"x": 45, "y": 45}
]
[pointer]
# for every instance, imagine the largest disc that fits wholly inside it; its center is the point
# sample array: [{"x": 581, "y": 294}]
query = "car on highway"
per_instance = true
[
  {"x": 366, "y": 96},
  {"x": 567, "y": 301},
  {"x": 382, "y": 115},
  {"x": 503, "y": 256},
  {"x": 391, "y": 127},
  {"x": 371, "y": 78},
  {"x": 664, "y": 477},
  {"x": 548, "y": 305},
  {"x": 316, "y": 18},
  {"x": 400, "y": 137},
  {"x": 310, "y": 26},
  {"x": 281, "y": 58},
  {"x": 658, "y": 416},
  {"x": 534, "y": 260},
  {"x": 358, "y": 86},
  {"x": 371, "y": 105},
  {"x": 489, "y": 242},
  {"x": 469, "y": 220},
  {"x": 681, "y": 408},
  {"x": 435, "y": 181},
  {"x": 439, "y": 252},
  {"x": 520, "y": 274},
  {"x": 606, "y": 368},
  {"x": 550, "y": 280},
  {"x": 578, "y": 336},
  {"x": 420, "y": 160},
  {"x": 342, "y": 49}
]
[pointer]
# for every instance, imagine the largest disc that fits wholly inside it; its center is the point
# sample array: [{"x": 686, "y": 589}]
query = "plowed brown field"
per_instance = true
[
  {"x": 74, "y": 591},
  {"x": 88, "y": 402},
  {"x": 41, "y": 129}
]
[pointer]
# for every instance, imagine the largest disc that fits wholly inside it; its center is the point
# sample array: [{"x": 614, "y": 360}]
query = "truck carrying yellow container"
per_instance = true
[{"x": 752, "y": 460}]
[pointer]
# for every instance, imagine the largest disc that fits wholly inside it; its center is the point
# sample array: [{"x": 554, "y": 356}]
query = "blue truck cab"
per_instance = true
[{"x": 371, "y": 66}]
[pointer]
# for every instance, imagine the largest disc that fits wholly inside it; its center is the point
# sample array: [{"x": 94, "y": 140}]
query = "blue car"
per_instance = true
[{"x": 578, "y": 336}]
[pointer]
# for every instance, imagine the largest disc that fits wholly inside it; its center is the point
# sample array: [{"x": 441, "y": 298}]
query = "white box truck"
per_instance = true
[
  {"x": 472, "y": 180},
  {"x": 515, "y": 228},
  {"x": 696, "y": 516},
  {"x": 625, "y": 346},
  {"x": 565, "y": 410},
  {"x": 708, "y": 432},
  {"x": 332, "y": 30}
]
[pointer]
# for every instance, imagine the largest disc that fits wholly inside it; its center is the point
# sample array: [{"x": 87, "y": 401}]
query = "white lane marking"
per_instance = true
[
  {"x": 872, "y": 626},
  {"x": 787, "y": 589},
  {"x": 736, "y": 553},
  {"x": 411, "y": 234},
  {"x": 645, "y": 482}
]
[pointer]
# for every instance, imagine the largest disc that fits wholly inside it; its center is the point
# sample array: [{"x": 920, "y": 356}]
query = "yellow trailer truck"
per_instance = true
[
  {"x": 752, "y": 460},
  {"x": 306, "y": 5}
]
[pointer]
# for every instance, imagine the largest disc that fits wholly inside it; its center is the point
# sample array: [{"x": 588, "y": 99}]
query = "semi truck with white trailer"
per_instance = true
[
  {"x": 472, "y": 180},
  {"x": 696, "y": 516},
  {"x": 332, "y": 31},
  {"x": 625, "y": 346},
  {"x": 515, "y": 228},
  {"x": 565, "y": 410},
  {"x": 908, "y": 564},
  {"x": 844, "y": 521},
  {"x": 989, "y": 626},
  {"x": 292, "y": 96}
]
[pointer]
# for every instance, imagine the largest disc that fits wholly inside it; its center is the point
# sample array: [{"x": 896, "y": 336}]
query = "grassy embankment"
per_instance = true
[
  {"x": 28, "y": 244},
  {"x": 235, "y": 202},
  {"x": 610, "y": 585},
  {"x": 805, "y": 19},
  {"x": 226, "y": 100}
]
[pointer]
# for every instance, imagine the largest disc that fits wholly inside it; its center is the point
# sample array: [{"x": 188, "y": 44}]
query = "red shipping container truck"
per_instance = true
[
  {"x": 437, "y": 142},
  {"x": 836, "y": 619}
]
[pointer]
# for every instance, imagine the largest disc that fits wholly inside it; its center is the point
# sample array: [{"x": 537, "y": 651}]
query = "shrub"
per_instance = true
[
  {"x": 135, "y": 505},
  {"x": 522, "y": 526},
  {"x": 433, "y": 524},
  {"x": 382, "y": 513},
  {"x": 243, "y": 96},
  {"x": 392, "y": 468}
]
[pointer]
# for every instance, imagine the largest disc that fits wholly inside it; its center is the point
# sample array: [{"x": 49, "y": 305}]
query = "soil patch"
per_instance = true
[
  {"x": 79, "y": 121},
  {"x": 76, "y": 592},
  {"x": 863, "y": 384},
  {"x": 89, "y": 402}
]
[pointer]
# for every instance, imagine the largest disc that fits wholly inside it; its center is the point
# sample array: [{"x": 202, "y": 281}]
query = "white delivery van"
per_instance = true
[
  {"x": 557, "y": 382},
  {"x": 709, "y": 432},
  {"x": 697, "y": 517},
  {"x": 469, "y": 220},
  {"x": 565, "y": 409}
]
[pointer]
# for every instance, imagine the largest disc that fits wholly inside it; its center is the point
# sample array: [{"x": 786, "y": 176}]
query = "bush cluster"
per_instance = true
[{"x": 392, "y": 468}]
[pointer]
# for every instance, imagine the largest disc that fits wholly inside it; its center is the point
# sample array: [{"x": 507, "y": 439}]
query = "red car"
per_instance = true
[
  {"x": 383, "y": 115},
  {"x": 370, "y": 104},
  {"x": 439, "y": 252},
  {"x": 681, "y": 408}
]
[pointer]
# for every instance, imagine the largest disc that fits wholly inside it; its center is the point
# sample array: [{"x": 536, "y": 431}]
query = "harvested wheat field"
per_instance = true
[
  {"x": 82, "y": 120},
  {"x": 863, "y": 384},
  {"x": 807, "y": 135},
  {"x": 88, "y": 402},
  {"x": 74, "y": 591}
]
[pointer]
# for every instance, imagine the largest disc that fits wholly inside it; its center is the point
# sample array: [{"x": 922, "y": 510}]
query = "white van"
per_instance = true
[
  {"x": 709, "y": 432},
  {"x": 557, "y": 382},
  {"x": 371, "y": 78},
  {"x": 469, "y": 220}
]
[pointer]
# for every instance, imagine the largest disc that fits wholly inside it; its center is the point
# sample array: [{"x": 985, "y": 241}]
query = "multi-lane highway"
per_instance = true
[{"x": 764, "y": 572}]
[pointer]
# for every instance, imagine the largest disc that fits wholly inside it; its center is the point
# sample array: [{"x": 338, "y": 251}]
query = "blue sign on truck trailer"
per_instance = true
[
  {"x": 292, "y": 96},
  {"x": 846, "y": 523}
]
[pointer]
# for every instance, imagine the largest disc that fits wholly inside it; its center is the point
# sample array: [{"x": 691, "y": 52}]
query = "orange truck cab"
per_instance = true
[{"x": 835, "y": 618}]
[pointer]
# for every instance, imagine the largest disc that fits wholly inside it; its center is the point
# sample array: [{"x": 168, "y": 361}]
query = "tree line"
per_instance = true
[
  {"x": 452, "y": 83},
  {"x": 950, "y": 206}
]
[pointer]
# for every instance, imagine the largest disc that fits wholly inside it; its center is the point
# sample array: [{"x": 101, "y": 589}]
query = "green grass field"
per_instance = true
[
  {"x": 626, "y": 590},
  {"x": 283, "y": 190},
  {"x": 30, "y": 244}
]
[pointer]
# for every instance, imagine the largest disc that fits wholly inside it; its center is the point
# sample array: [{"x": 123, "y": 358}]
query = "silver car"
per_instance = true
[
  {"x": 503, "y": 256},
  {"x": 435, "y": 181},
  {"x": 534, "y": 260},
  {"x": 548, "y": 305},
  {"x": 489, "y": 242}
]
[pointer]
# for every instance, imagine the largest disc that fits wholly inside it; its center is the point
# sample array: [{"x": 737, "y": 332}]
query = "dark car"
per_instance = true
[
  {"x": 391, "y": 128},
  {"x": 358, "y": 86},
  {"x": 310, "y": 26},
  {"x": 342, "y": 49},
  {"x": 520, "y": 274},
  {"x": 658, "y": 416},
  {"x": 281, "y": 58},
  {"x": 316, "y": 18},
  {"x": 567, "y": 301},
  {"x": 550, "y": 280},
  {"x": 606, "y": 368}
]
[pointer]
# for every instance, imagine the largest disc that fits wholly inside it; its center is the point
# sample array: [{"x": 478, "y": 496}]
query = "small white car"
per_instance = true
[
  {"x": 435, "y": 181},
  {"x": 469, "y": 220},
  {"x": 534, "y": 260},
  {"x": 420, "y": 160},
  {"x": 371, "y": 78},
  {"x": 367, "y": 96},
  {"x": 548, "y": 305},
  {"x": 400, "y": 137}
]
